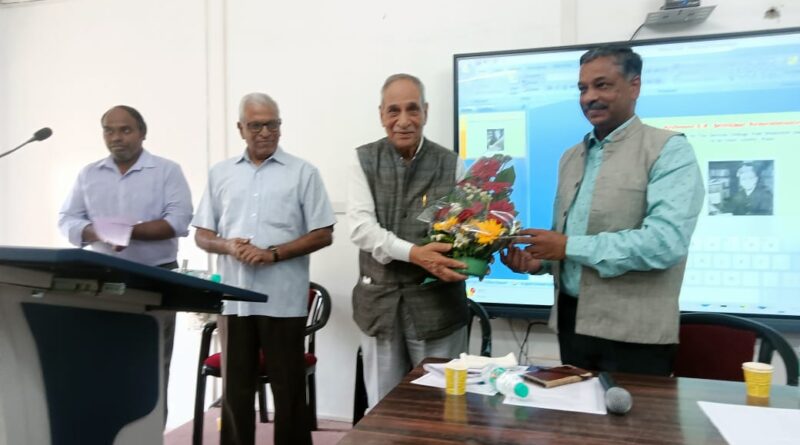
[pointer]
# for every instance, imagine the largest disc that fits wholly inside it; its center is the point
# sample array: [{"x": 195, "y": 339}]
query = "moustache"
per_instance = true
[{"x": 596, "y": 106}]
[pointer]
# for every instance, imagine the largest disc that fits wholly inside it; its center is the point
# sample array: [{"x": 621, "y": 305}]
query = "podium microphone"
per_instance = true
[
  {"x": 618, "y": 400},
  {"x": 40, "y": 135}
]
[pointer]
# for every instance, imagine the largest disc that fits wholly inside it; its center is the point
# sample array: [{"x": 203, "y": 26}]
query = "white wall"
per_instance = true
[
  {"x": 65, "y": 62},
  {"x": 185, "y": 64}
]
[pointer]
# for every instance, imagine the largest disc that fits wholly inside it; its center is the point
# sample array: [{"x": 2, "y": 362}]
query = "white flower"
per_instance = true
[
  {"x": 515, "y": 227},
  {"x": 460, "y": 241}
]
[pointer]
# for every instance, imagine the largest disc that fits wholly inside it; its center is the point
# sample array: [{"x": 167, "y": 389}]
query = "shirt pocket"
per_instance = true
[
  {"x": 146, "y": 203},
  {"x": 282, "y": 208}
]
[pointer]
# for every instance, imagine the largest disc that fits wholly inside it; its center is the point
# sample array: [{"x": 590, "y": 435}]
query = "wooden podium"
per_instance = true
[{"x": 80, "y": 356}]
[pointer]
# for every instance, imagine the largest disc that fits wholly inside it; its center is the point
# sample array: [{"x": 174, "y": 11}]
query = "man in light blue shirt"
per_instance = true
[
  {"x": 135, "y": 186},
  {"x": 627, "y": 204},
  {"x": 263, "y": 213}
]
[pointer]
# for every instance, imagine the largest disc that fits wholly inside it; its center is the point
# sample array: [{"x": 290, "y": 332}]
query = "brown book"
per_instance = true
[{"x": 557, "y": 376}]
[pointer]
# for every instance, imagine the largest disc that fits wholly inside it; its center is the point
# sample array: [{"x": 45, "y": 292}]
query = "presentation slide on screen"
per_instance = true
[{"x": 736, "y": 101}]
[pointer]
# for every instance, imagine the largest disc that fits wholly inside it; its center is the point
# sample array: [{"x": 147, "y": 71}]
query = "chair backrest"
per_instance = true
[
  {"x": 477, "y": 311},
  {"x": 319, "y": 310},
  {"x": 715, "y": 346}
]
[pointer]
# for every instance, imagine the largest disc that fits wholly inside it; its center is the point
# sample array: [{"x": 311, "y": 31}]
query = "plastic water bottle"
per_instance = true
[
  {"x": 508, "y": 383},
  {"x": 202, "y": 274}
]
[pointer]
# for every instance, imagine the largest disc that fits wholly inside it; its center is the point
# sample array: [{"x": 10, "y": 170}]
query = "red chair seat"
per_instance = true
[{"x": 215, "y": 361}]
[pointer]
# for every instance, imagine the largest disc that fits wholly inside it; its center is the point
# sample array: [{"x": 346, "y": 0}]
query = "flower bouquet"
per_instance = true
[{"x": 477, "y": 217}]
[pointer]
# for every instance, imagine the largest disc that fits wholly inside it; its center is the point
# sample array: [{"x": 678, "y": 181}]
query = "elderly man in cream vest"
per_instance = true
[{"x": 627, "y": 203}]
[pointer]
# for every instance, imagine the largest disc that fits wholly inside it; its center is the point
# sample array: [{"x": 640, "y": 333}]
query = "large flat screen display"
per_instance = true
[{"x": 737, "y": 99}]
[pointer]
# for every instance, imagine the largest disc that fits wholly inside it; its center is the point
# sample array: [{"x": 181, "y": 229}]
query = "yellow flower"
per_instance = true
[
  {"x": 445, "y": 225},
  {"x": 488, "y": 231}
]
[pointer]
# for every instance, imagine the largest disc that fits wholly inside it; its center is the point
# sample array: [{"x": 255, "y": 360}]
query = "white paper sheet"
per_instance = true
[
  {"x": 581, "y": 397},
  {"x": 474, "y": 375},
  {"x": 748, "y": 425},
  {"x": 584, "y": 397},
  {"x": 437, "y": 381},
  {"x": 114, "y": 231}
]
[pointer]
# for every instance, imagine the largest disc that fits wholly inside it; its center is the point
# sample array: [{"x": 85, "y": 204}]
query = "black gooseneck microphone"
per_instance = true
[
  {"x": 618, "y": 400},
  {"x": 40, "y": 135}
]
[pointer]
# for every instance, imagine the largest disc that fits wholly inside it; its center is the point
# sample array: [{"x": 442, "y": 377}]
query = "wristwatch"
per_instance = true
[{"x": 275, "y": 255}]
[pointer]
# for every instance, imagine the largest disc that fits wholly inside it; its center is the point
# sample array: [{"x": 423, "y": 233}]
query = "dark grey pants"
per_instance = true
[{"x": 282, "y": 342}]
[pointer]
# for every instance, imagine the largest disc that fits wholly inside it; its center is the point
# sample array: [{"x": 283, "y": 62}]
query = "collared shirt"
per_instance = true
[
  {"x": 275, "y": 202},
  {"x": 674, "y": 199},
  {"x": 365, "y": 231},
  {"x": 153, "y": 188}
]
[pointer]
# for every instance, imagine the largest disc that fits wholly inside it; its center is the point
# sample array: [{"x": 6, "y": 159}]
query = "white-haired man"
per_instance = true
[{"x": 263, "y": 213}]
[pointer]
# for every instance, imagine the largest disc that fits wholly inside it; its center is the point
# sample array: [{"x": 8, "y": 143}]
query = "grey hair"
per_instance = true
[
  {"x": 403, "y": 76},
  {"x": 630, "y": 63},
  {"x": 256, "y": 98}
]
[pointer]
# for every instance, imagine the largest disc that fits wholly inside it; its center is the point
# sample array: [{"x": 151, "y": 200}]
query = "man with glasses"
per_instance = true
[{"x": 263, "y": 212}]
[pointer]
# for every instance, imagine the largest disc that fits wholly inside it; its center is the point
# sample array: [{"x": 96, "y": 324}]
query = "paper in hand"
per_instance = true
[{"x": 114, "y": 231}]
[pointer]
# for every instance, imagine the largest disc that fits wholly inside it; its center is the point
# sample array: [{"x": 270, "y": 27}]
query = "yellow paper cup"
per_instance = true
[
  {"x": 455, "y": 378},
  {"x": 757, "y": 378}
]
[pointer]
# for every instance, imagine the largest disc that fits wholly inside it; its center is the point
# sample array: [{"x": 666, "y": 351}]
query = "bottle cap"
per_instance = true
[
  {"x": 521, "y": 390},
  {"x": 215, "y": 277}
]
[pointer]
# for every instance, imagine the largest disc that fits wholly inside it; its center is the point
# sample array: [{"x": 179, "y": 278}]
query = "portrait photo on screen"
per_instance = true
[
  {"x": 741, "y": 187},
  {"x": 495, "y": 139}
]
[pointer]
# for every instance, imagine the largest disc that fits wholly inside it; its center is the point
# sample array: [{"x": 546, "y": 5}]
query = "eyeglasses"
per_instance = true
[{"x": 256, "y": 127}]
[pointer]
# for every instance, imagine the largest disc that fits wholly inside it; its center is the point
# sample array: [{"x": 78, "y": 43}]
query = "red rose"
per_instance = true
[
  {"x": 485, "y": 168},
  {"x": 502, "y": 212},
  {"x": 441, "y": 213},
  {"x": 501, "y": 206},
  {"x": 465, "y": 215},
  {"x": 476, "y": 208}
]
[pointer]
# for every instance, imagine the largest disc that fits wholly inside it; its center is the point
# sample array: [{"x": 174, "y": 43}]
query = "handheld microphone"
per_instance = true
[
  {"x": 618, "y": 400},
  {"x": 40, "y": 135}
]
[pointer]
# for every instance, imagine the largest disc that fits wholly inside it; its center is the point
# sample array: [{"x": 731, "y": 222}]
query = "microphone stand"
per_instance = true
[{"x": 17, "y": 147}]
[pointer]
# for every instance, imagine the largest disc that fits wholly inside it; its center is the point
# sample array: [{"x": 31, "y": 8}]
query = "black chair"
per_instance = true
[
  {"x": 319, "y": 310},
  {"x": 477, "y": 311},
  {"x": 714, "y": 346},
  {"x": 360, "y": 402}
]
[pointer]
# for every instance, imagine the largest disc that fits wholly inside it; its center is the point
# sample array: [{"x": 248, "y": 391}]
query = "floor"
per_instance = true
[{"x": 329, "y": 433}]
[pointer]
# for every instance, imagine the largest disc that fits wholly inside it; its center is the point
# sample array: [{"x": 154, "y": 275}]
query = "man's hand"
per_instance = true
[
  {"x": 234, "y": 245},
  {"x": 88, "y": 235},
  {"x": 430, "y": 257},
  {"x": 543, "y": 244},
  {"x": 519, "y": 260},
  {"x": 247, "y": 253},
  {"x": 252, "y": 255}
]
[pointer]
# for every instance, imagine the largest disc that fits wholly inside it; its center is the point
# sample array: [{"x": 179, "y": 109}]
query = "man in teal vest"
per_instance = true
[
  {"x": 391, "y": 180},
  {"x": 627, "y": 203}
]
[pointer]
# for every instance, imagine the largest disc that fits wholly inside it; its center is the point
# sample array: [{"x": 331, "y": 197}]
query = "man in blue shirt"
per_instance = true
[
  {"x": 263, "y": 213},
  {"x": 134, "y": 187},
  {"x": 626, "y": 207}
]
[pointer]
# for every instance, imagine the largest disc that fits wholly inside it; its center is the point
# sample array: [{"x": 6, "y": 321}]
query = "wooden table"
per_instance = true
[{"x": 665, "y": 411}]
